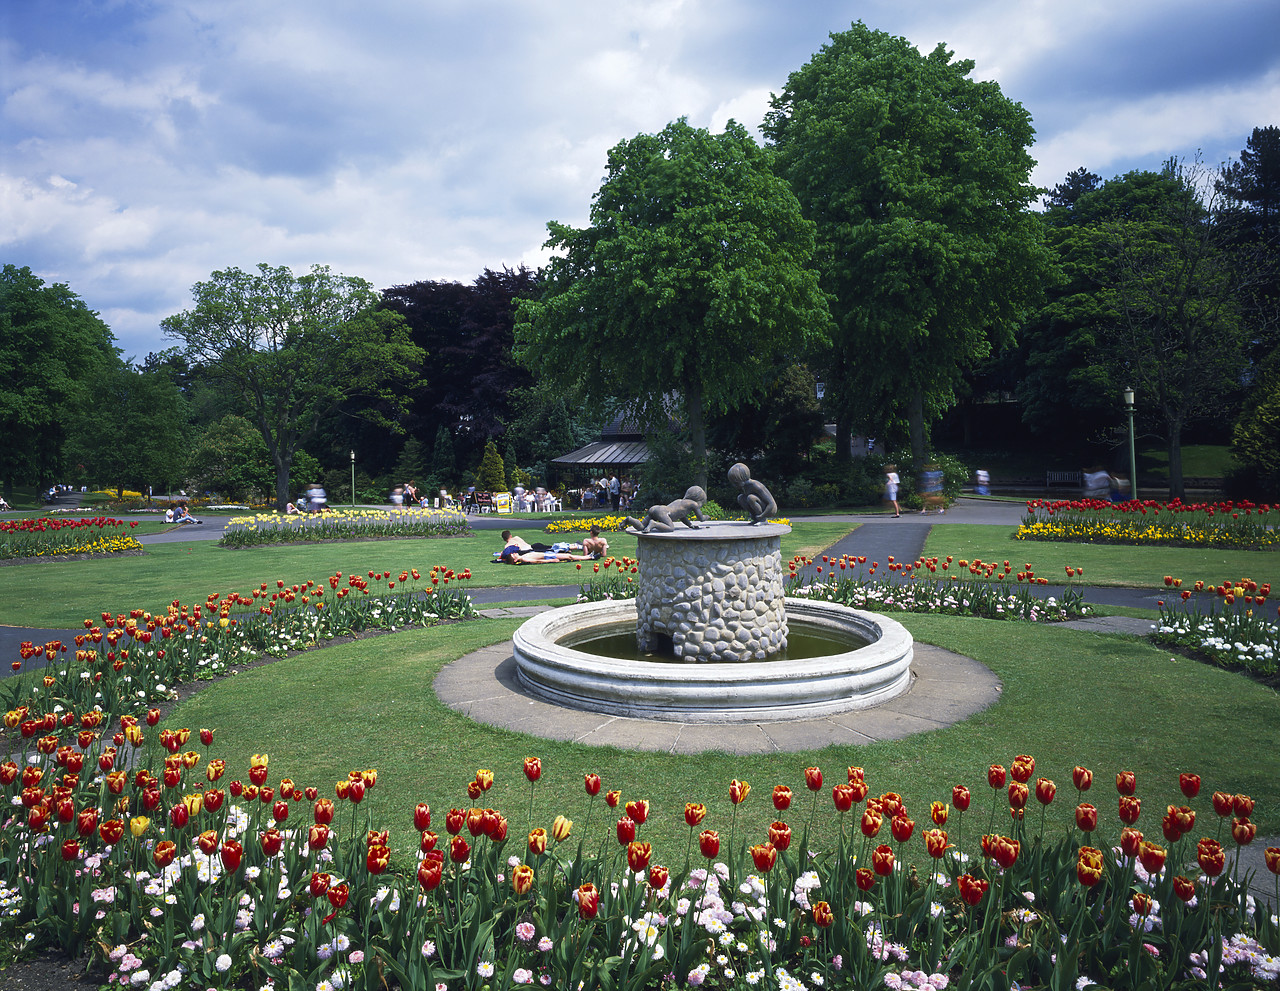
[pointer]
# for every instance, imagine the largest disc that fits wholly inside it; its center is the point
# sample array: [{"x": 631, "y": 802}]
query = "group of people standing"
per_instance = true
[{"x": 609, "y": 490}]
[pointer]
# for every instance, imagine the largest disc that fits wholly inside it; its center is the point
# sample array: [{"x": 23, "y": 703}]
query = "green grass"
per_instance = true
[
  {"x": 1069, "y": 697},
  {"x": 60, "y": 594},
  {"x": 1104, "y": 564},
  {"x": 1198, "y": 461}
]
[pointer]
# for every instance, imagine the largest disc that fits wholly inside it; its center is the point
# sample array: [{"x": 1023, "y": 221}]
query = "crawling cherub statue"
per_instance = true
[
  {"x": 757, "y": 500},
  {"x": 663, "y": 519}
]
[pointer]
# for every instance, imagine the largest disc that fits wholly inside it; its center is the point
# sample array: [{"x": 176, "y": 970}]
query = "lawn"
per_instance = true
[
  {"x": 64, "y": 593},
  {"x": 1069, "y": 697},
  {"x": 1104, "y": 564}
]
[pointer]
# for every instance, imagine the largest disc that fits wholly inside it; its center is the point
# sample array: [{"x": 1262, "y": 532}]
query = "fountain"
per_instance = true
[{"x": 712, "y": 631}]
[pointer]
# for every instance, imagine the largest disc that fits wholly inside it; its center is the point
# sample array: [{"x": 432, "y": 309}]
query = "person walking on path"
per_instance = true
[{"x": 891, "y": 488}]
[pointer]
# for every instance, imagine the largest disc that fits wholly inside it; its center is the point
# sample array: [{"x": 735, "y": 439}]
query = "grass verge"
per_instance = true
[
  {"x": 1069, "y": 697},
  {"x": 1104, "y": 564},
  {"x": 63, "y": 594}
]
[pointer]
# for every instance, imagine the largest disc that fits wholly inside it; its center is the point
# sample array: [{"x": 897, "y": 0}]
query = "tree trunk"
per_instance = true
[
  {"x": 1176, "y": 488},
  {"x": 697, "y": 433},
  {"x": 915, "y": 421},
  {"x": 844, "y": 438},
  {"x": 282, "y": 483}
]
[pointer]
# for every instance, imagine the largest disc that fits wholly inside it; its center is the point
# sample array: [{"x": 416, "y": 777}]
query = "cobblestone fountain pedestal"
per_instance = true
[{"x": 714, "y": 593}]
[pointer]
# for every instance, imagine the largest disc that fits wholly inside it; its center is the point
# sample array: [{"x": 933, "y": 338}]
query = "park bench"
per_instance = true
[{"x": 1052, "y": 478}]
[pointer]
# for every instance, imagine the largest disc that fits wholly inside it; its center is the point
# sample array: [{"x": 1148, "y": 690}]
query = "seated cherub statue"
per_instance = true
[
  {"x": 757, "y": 500},
  {"x": 663, "y": 519}
]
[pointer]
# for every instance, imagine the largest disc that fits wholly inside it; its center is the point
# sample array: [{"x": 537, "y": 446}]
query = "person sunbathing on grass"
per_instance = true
[{"x": 541, "y": 557}]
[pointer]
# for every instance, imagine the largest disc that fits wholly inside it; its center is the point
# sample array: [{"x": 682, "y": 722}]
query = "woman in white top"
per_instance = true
[{"x": 891, "y": 488}]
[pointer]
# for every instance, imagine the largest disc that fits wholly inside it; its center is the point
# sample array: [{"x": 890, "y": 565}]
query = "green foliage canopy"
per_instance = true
[
  {"x": 294, "y": 348},
  {"x": 918, "y": 180},
  {"x": 692, "y": 276}
]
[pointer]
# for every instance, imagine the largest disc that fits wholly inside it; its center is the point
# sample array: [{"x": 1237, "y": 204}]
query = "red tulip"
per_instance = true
[
  {"x": 738, "y": 791},
  {"x": 780, "y": 836},
  {"x": 1081, "y": 777},
  {"x": 639, "y": 811},
  {"x": 626, "y": 830},
  {"x": 1141, "y": 903},
  {"x": 1130, "y": 808},
  {"x": 902, "y": 827},
  {"x": 430, "y": 871},
  {"x": 339, "y": 894},
  {"x": 111, "y": 831},
  {"x": 638, "y": 855},
  {"x": 960, "y": 798},
  {"x": 538, "y": 841},
  {"x": 1023, "y": 767},
  {"x": 1005, "y": 851},
  {"x": 592, "y": 783},
  {"x": 1090, "y": 866},
  {"x": 694, "y": 813},
  {"x": 459, "y": 849},
  {"x": 1243, "y": 831},
  {"x": 658, "y": 876},
  {"x": 588, "y": 901},
  {"x": 938, "y": 812},
  {"x": 1086, "y": 817},
  {"x": 996, "y": 776},
  {"x": 709, "y": 843},
  {"x": 813, "y": 778},
  {"x": 1242, "y": 806},
  {"x": 272, "y": 840},
  {"x": 454, "y": 820},
  {"x": 781, "y": 798},
  {"x": 1045, "y": 790},
  {"x": 865, "y": 878},
  {"x": 318, "y": 837},
  {"x": 765, "y": 856},
  {"x": 428, "y": 841},
  {"x": 164, "y": 853},
  {"x": 232, "y": 853},
  {"x": 1130, "y": 841},
  {"x": 1126, "y": 783},
  {"x": 1184, "y": 888},
  {"x": 823, "y": 917},
  {"x": 1272, "y": 854},
  {"x": 1190, "y": 784},
  {"x": 1152, "y": 856},
  {"x": 1018, "y": 795},
  {"x": 842, "y": 797},
  {"x": 611, "y": 798},
  {"x": 935, "y": 841},
  {"x": 323, "y": 811},
  {"x": 533, "y": 768},
  {"x": 319, "y": 885},
  {"x": 971, "y": 888},
  {"x": 882, "y": 859}
]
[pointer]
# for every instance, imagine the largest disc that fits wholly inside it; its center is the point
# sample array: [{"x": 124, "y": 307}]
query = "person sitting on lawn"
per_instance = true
[
  {"x": 182, "y": 515},
  {"x": 595, "y": 545},
  {"x": 513, "y": 543}
]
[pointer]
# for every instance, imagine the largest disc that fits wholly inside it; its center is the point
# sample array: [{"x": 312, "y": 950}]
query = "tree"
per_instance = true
[
  {"x": 231, "y": 457},
  {"x": 294, "y": 348},
  {"x": 51, "y": 344},
  {"x": 134, "y": 431},
  {"x": 692, "y": 277},
  {"x": 492, "y": 476},
  {"x": 1252, "y": 185},
  {"x": 1179, "y": 340},
  {"x": 468, "y": 332},
  {"x": 918, "y": 180},
  {"x": 776, "y": 432}
]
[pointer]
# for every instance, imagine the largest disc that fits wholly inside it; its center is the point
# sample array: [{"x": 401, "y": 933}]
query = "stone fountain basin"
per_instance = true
[{"x": 714, "y": 692}]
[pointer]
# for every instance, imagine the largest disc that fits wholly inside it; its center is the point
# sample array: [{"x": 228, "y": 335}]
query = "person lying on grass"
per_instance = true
[{"x": 542, "y": 557}]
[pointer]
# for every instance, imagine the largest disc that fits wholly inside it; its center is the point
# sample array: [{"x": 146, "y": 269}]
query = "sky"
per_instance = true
[{"x": 145, "y": 144}]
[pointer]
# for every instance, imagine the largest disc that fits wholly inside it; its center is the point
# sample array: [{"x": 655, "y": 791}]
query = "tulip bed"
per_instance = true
[
  {"x": 1231, "y": 632},
  {"x": 911, "y": 587},
  {"x": 172, "y": 875},
  {"x": 277, "y": 528},
  {"x": 1175, "y": 523},
  {"x": 145, "y": 655},
  {"x": 45, "y": 537}
]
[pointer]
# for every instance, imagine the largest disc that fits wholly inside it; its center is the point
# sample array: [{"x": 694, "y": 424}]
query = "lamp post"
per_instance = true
[
  {"x": 1133, "y": 460},
  {"x": 353, "y": 468}
]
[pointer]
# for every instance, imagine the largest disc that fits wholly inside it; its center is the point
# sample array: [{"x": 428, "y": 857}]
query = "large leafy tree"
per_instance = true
[
  {"x": 692, "y": 277},
  {"x": 51, "y": 345},
  {"x": 134, "y": 432},
  {"x": 467, "y": 329},
  {"x": 918, "y": 180},
  {"x": 295, "y": 347}
]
